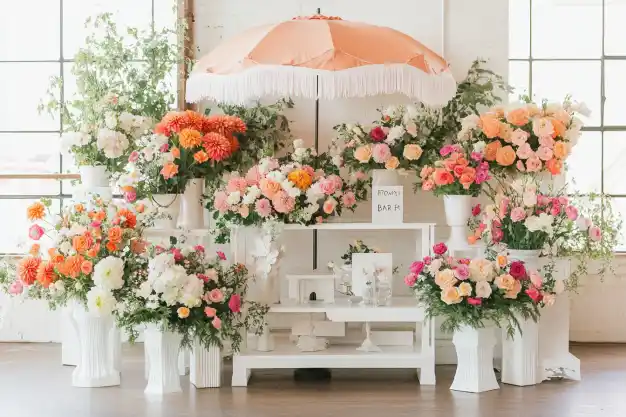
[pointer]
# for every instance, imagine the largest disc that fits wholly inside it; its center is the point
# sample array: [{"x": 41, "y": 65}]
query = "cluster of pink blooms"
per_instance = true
[{"x": 455, "y": 167}]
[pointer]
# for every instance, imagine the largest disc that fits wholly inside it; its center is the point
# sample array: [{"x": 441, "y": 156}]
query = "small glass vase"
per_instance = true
[
  {"x": 383, "y": 293},
  {"x": 369, "y": 295}
]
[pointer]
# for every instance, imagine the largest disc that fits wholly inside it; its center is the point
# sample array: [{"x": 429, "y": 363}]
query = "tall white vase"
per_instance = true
[
  {"x": 529, "y": 257},
  {"x": 520, "y": 355},
  {"x": 95, "y": 367},
  {"x": 474, "y": 352},
  {"x": 168, "y": 204},
  {"x": 206, "y": 366},
  {"x": 385, "y": 177},
  {"x": 458, "y": 210},
  {"x": 265, "y": 260},
  {"x": 94, "y": 176},
  {"x": 192, "y": 209},
  {"x": 70, "y": 345},
  {"x": 115, "y": 348},
  {"x": 162, "y": 348}
]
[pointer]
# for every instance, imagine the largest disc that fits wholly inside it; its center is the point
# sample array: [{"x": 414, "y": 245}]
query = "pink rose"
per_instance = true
[
  {"x": 428, "y": 185},
  {"x": 534, "y": 294},
  {"x": 35, "y": 232},
  {"x": 482, "y": 175},
  {"x": 520, "y": 165},
  {"x": 329, "y": 205},
  {"x": 234, "y": 303},
  {"x": 263, "y": 207},
  {"x": 133, "y": 157},
  {"x": 461, "y": 272},
  {"x": 446, "y": 150},
  {"x": 556, "y": 208},
  {"x": 474, "y": 301},
  {"x": 221, "y": 255},
  {"x": 427, "y": 260},
  {"x": 524, "y": 151},
  {"x": 210, "y": 312},
  {"x": 336, "y": 179},
  {"x": 348, "y": 199},
  {"x": 543, "y": 200},
  {"x": 253, "y": 176},
  {"x": 563, "y": 200},
  {"x": 309, "y": 170},
  {"x": 547, "y": 142},
  {"x": 533, "y": 164},
  {"x": 595, "y": 233},
  {"x": 220, "y": 202},
  {"x": 237, "y": 184},
  {"x": 244, "y": 211},
  {"x": 178, "y": 255},
  {"x": 476, "y": 210},
  {"x": 217, "y": 323},
  {"x": 216, "y": 295},
  {"x": 199, "y": 248},
  {"x": 504, "y": 207},
  {"x": 518, "y": 214},
  {"x": 283, "y": 202},
  {"x": 571, "y": 212},
  {"x": 130, "y": 196},
  {"x": 535, "y": 279},
  {"x": 519, "y": 137},
  {"x": 545, "y": 154},
  {"x": 360, "y": 176},
  {"x": 16, "y": 288},
  {"x": 327, "y": 186},
  {"x": 378, "y": 134},
  {"x": 381, "y": 153},
  {"x": 164, "y": 148},
  {"x": 95, "y": 224},
  {"x": 440, "y": 248},
  {"x": 410, "y": 279},
  {"x": 417, "y": 267}
]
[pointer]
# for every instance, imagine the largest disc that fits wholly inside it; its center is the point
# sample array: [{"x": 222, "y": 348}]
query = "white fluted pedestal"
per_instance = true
[
  {"x": 162, "y": 349},
  {"x": 474, "y": 351},
  {"x": 520, "y": 356},
  {"x": 70, "y": 345},
  {"x": 205, "y": 366}
]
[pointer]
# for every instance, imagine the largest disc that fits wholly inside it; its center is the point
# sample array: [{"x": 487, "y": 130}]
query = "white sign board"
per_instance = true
[
  {"x": 363, "y": 267},
  {"x": 387, "y": 204}
]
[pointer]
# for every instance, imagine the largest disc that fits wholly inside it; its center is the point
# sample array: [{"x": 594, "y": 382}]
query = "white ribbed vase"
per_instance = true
[
  {"x": 95, "y": 363},
  {"x": 205, "y": 366},
  {"x": 192, "y": 209},
  {"x": 474, "y": 352},
  {"x": 520, "y": 355},
  {"x": 169, "y": 205},
  {"x": 94, "y": 176},
  {"x": 162, "y": 349},
  {"x": 529, "y": 257},
  {"x": 458, "y": 209}
]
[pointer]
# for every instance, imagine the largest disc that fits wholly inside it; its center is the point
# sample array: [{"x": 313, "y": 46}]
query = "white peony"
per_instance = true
[
  {"x": 479, "y": 146},
  {"x": 144, "y": 290},
  {"x": 470, "y": 122},
  {"x": 110, "y": 120},
  {"x": 109, "y": 273},
  {"x": 337, "y": 161},
  {"x": 529, "y": 198},
  {"x": 69, "y": 139},
  {"x": 411, "y": 128},
  {"x": 234, "y": 198},
  {"x": 65, "y": 248},
  {"x": 543, "y": 223},
  {"x": 112, "y": 143},
  {"x": 100, "y": 302},
  {"x": 127, "y": 121},
  {"x": 276, "y": 176},
  {"x": 76, "y": 230},
  {"x": 251, "y": 195},
  {"x": 192, "y": 291},
  {"x": 159, "y": 264},
  {"x": 394, "y": 134}
]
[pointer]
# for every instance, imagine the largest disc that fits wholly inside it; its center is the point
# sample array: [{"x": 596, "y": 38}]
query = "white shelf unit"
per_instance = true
[{"x": 286, "y": 355}]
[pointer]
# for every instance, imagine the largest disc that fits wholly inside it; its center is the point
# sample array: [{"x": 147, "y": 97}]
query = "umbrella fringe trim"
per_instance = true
[{"x": 269, "y": 80}]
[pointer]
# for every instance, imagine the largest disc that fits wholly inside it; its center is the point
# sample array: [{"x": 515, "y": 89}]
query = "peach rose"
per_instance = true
[
  {"x": 513, "y": 292},
  {"x": 560, "y": 150},
  {"x": 392, "y": 163},
  {"x": 363, "y": 154},
  {"x": 490, "y": 126},
  {"x": 450, "y": 295},
  {"x": 554, "y": 166},
  {"x": 505, "y": 156},
  {"x": 491, "y": 150},
  {"x": 269, "y": 188},
  {"x": 506, "y": 132},
  {"x": 467, "y": 177},
  {"x": 559, "y": 128},
  {"x": 465, "y": 289},
  {"x": 533, "y": 164},
  {"x": 412, "y": 152},
  {"x": 518, "y": 117},
  {"x": 445, "y": 278},
  {"x": 442, "y": 177},
  {"x": 505, "y": 282}
]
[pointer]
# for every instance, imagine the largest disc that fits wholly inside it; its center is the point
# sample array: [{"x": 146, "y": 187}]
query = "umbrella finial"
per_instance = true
[{"x": 319, "y": 11}]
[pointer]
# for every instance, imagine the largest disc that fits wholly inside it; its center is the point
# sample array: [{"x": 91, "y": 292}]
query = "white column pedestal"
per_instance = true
[
  {"x": 206, "y": 366},
  {"x": 520, "y": 355},
  {"x": 474, "y": 350}
]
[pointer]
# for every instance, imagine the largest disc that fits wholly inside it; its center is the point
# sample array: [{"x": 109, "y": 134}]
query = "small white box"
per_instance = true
[
  {"x": 321, "y": 328},
  {"x": 302, "y": 285}
]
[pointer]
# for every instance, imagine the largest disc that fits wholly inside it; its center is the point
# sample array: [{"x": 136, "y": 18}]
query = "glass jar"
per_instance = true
[
  {"x": 383, "y": 293},
  {"x": 369, "y": 295}
]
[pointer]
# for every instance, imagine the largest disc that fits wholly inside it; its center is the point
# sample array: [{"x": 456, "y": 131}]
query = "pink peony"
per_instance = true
[
  {"x": 474, "y": 301},
  {"x": 328, "y": 186},
  {"x": 518, "y": 214},
  {"x": 130, "y": 196},
  {"x": 440, "y": 248},
  {"x": 378, "y": 134},
  {"x": 133, "y": 157},
  {"x": 477, "y": 156},
  {"x": 221, "y": 255},
  {"x": 563, "y": 200},
  {"x": 217, "y": 323},
  {"x": 16, "y": 288},
  {"x": 417, "y": 267},
  {"x": 35, "y": 232},
  {"x": 533, "y": 164},
  {"x": 571, "y": 212},
  {"x": 220, "y": 202},
  {"x": 410, "y": 279},
  {"x": 237, "y": 184},
  {"x": 235, "y": 303},
  {"x": 178, "y": 255},
  {"x": 543, "y": 200},
  {"x": 283, "y": 202},
  {"x": 336, "y": 179},
  {"x": 381, "y": 153},
  {"x": 476, "y": 210},
  {"x": 518, "y": 270},
  {"x": 446, "y": 150},
  {"x": 210, "y": 312},
  {"x": 427, "y": 260},
  {"x": 595, "y": 233},
  {"x": 461, "y": 272},
  {"x": 263, "y": 207},
  {"x": 535, "y": 279},
  {"x": 309, "y": 170},
  {"x": 348, "y": 199},
  {"x": 199, "y": 248},
  {"x": 534, "y": 294},
  {"x": 253, "y": 176},
  {"x": 215, "y": 295}
]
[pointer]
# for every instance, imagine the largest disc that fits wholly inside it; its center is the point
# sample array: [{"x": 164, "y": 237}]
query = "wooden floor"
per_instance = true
[{"x": 33, "y": 384}]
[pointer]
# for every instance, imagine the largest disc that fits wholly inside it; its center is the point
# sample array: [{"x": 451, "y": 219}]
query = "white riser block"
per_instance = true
[{"x": 206, "y": 366}]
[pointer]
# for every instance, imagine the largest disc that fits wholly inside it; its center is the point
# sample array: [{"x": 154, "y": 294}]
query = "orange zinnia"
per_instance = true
[
  {"x": 27, "y": 270},
  {"x": 45, "y": 274},
  {"x": 36, "y": 211},
  {"x": 189, "y": 138},
  {"x": 173, "y": 121},
  {"x": 115, "y": 235},
  {"x": 57, "y": 259},
  {"x": 130, "y": 218},
  {"x": 111, "y": 247},
  {"x": 200, "y": 157},
  {"x": 80, "y": 243},
  {"x": 224, "y": 124}
]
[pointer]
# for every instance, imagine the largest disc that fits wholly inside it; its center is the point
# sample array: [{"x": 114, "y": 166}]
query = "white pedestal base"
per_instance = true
[
  {"x": 556, "y": 361},
  {"x": 474, "y": 350},
  {"x": 162, "y": 348},
  {"x": 520, "y": 356},
  {"x": 206, "y": 366},
  {"x": 70, "y": 346}
]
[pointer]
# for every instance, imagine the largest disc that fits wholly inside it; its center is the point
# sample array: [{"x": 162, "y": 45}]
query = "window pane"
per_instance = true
[
  {"x": 519, "y": 28},
  {"x": 135, "y": 13},
  {"x": 615, "y": 90},
  {"x": 580, "y": 79},
  {"x": 518, "y": 78},
  {"x": 614, "y": 162},
  {"x": 22, "y": 86},
  {"x": 615, "y": 29},
  {"x": 584, "y": 165},
  {"x": 29, "y": 187},
  {"x": 165, "y": 13},
  {"x": 619, "y": 207},
  {"x": 567, "y": 28},
  {"x": 14, "y": 226},
  {"x": 24, "y": 41},
  {"x": 29, "y": 153}
]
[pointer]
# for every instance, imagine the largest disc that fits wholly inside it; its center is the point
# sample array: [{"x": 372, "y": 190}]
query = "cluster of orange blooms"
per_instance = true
[{"x": 205, "y": 138}]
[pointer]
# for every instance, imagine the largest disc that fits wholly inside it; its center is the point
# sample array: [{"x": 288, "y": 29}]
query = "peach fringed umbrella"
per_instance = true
[{"x": 321, "y": 57}]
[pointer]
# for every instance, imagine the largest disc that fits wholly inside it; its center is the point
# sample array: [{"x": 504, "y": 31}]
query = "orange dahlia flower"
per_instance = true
[
  {"x": 217, "y": 146},
  {"x": 189, "y": 138},
  {"x": 27, "y": 270},
  {"x": 194, "y": 120},
  {"x": 173, "y": 121},
  {"x": 300, "y": 178},
  {"x": 72, "y": 266},
  {"x": 224, "y": 124},
  {"x": 36, "y": 211},
  {"x": 45, "y": 274},
  {"x": 200, "y": 157}
]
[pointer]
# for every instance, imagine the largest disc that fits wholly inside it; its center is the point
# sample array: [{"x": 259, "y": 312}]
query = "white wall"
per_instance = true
[{"x": 460, "y": 29}]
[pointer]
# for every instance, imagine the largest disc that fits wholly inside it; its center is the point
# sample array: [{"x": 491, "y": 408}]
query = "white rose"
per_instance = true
[
  {"x": 391, "y": 111},
  {"x": 394, "y": 134},
  {"x": 411, "y": 128},
  {"x": 483, "y": 289},
  {"x": 470, "y": 122},
  {"x": 144, "y": 290},
  {"x": 234, "y": 198},
  {"x": 434, "y": 266},
  {"x": 109, "y": 273},
  {"x": 290, "y": 189},
  {"x": 100, "y": 302},
  {"x": 411, "y": 112},
  {"x": 298, "y": 144},
  {"x": 529, "y": 198},
  {"x": 479, "y": 146},
  {"x": 127, "y": 121},
  {"x": 112, "y": 143},
  {"x": 110, "y": 120},
  {"x": 65, "y": 248}
]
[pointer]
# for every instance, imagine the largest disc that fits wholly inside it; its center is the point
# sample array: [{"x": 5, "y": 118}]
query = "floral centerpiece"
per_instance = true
[{"x": 526, "y": 137}]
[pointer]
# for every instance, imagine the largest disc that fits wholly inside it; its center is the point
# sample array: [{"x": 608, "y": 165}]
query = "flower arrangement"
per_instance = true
[
  {"x": 97, "y": 249},
  {"x": 523, "y": 218},
  {"x": 459, "y": 171},
  {"x": 477, "y": 291},
  {"x": 357, "y": 247},
  {"x": 191, "y": 294},
  {"x": 290, "y": 190},
  {"x": 526, "y": 137}
]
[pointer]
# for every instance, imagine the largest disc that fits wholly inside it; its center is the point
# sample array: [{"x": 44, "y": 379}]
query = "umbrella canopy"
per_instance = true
[{"x": 321, "y": 57}]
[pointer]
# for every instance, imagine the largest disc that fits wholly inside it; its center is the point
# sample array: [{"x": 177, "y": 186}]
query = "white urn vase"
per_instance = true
[
  {"x": 169, "y": 207},
  {"x": 529, "y": 257},
  {"x": 95, "y": 362},
  {"x": 206, "y": 366},
  {"x": 94, "y": 176},
  {"x": 520, "y": 355},
  {"x": 458, "y": 210},
  {"x": 192, "y": 208},
  {"x": 474, "y": 352},
  {"x": 385, "y": 177},
  {"x": 162, "y": 349}
]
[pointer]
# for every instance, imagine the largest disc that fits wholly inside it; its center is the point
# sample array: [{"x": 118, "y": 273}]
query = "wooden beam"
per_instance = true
[
  {"x": 186, "y": 13},
  {"x": 39, "y": 176}
]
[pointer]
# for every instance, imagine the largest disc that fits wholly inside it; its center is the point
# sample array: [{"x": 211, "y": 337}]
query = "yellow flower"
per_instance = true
[
  {"x": 502, "y": 261},
  {"x": 392, "y": 163},
  {"x": 445, "y": 278},
  {"x": 465, "y": 289},
  {"x": 300, "y": 178},
  {"x": 183, "y": 312},
  {"x": 450, "y": 295}
]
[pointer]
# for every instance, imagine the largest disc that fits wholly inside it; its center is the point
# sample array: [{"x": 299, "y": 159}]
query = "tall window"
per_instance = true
[
  {"x": 578, "y": 47},
  {"x": 30, "y": 53}
]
